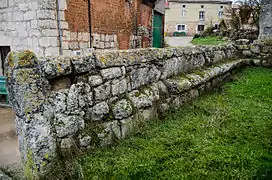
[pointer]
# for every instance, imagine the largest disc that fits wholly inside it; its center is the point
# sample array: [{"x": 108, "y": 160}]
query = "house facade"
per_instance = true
[
  {"x": 69, "y": 27},
  {"x": 194, "y": 16}
]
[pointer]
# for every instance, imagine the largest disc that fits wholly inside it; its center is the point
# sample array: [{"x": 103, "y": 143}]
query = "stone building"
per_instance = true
[
  {"x": 191, "y": 17},
  {"x": 266, "y": 19},
  {"x": 53, "y": 27}
]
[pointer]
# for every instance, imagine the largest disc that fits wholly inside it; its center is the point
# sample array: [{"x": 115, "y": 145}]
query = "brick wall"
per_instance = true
[{"x": 111, "y": 17}]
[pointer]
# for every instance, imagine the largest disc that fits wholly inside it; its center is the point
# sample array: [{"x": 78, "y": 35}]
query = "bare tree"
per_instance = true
[{"x": 243, "y": 11}]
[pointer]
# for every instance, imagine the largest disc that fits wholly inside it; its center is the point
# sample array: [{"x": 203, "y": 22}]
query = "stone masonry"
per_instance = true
[
  {"x": 33, "y": 24},
  {"x": 266, "y": 19},
  {"x": 65, "y": 104}
]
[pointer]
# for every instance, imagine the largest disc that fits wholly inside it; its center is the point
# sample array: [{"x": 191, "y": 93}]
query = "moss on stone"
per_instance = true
[
  {"x": 199, "y": 72},
  {"x": 11, "y": 59},
  {"x": 25, "y": 58},
  {"x": 30, "y": 169}
]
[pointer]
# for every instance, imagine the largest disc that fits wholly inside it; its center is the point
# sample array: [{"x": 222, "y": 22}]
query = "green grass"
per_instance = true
[
  {"x": 225, "y": 135},
  {"x": 211, "y": 40}
]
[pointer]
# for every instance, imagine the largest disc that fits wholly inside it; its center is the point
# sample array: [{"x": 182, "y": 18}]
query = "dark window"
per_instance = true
[
  {"x": 221, "y": 7},
  {"x": 201, "y": 15},
  {"x": 184, "y": 6},
  {"x": 200, "y": 28},
  {"x": 181, "y": 27},
  {"x": 4, "y": 50},
  {"x": 202, "y": 6},
  {"x": 220, "y": 14}
]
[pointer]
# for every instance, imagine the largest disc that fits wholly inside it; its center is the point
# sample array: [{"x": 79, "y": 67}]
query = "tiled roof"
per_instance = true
[{"x": 203, "y": 1}]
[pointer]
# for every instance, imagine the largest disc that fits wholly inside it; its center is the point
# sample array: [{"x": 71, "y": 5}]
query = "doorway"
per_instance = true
[
  {"x": 4, "y": 50},
  {"x": 157, "y": 30}
]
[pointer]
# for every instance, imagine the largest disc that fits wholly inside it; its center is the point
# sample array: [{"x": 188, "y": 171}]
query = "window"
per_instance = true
[
  {"x": 221, "y": 7},
  {"x": 220, "y": 14},
  {"x": 202, "y": 6},
  {"x": 200, "y": 28},
  {"x": 201, "y": 15},
  {"x": 183, "y": 11},
  {"x": 181, "y": 27}
]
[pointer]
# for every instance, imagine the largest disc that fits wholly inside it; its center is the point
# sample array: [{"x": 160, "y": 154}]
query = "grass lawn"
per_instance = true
[
  {"x": 211, "y": 40},
  {"x": 225, "y": 135}
]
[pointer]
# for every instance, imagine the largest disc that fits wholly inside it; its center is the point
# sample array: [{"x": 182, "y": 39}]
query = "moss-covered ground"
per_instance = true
[
  {"x": 224, "y": 135},
  {"x": 210, "y": 40}
]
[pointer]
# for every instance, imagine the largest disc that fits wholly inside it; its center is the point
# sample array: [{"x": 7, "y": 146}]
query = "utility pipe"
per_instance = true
[
  {"x": 90, "y": 22},
  {"x": 59, "y": 27}
]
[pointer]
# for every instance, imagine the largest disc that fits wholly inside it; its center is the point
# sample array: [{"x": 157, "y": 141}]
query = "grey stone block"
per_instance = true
[
  {"x": 111, "y": 73},
  {"x": 122, "y": 109}
]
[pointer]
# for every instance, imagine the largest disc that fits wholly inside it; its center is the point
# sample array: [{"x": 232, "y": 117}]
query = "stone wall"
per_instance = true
[
  {"x": 265, "y": 19},
  {"x": 67, "y": 104}
]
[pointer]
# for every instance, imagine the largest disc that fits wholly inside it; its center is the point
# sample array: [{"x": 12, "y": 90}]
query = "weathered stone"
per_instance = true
[
  {"x": 102, "y": 92},
  {"x": 140, "y": 100},
  {"x": 68, "y": 125},
  {"x": 111, "y": 73},
  {"x": 154, "y": 74},
  {"x": 149, "y": 114},
  {"x": 247, "y": 53},
  {"x": 79, "y": 96},
  {"x": 55, "y": 66},
  {"x": 3, "y": 176},
  {"x": 242, "y": 42},
  {"x": 177, "y": 86},
  {"x": 122, "y": 109},
  {"x": 119, "y": 87},
  {"x": 265, "y": 19},
  {"x": 257, "y": 62},
  {"x": 111, "y": 132},
  {"x": 255, "y": 49},
  {"x": 95, "y": 80},
  {"x": 84, "y": 64},
  {"x": 30, "y": 88},
  {"x": 139, "y": 77},
  {"x": 267, "y": 63},
  {"x": 219, "y": 56},
  {"x": 99, "y": 111},
  {"x": 169, "y": 68},
  {"x": 127, "y": 126},
  {"x": 67, "y": 143},
  {"x": 85, "y": 141}
]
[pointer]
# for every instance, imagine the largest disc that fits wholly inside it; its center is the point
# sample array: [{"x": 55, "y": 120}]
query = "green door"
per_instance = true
[{"x": 157, "y": 30}]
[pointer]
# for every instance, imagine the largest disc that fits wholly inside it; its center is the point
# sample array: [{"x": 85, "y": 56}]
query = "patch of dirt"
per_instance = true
[{"x": 9, "y": 150}]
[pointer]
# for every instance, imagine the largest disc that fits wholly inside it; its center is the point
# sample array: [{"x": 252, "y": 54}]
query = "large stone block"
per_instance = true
[
  {"x": 265, "y": 19},
  {"x": 139, "y": 77},
  {"x": 119, "y": 87},
  {"x": 84, "y": 64},
  {"x": 122, "y": 109},
  {"x": 102, "y": 92},
  {"x": 111, "y": 73},
  {"x": 140, "y": 100},
  {"x": 99, "y": 111}
]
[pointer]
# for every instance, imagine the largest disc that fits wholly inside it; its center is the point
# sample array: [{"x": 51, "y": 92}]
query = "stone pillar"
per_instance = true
[
  {"x": 27, "y": 92},
  {"x": 266, "y": 19}
]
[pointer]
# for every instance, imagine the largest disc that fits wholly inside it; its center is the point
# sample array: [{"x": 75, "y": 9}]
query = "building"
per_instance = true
[
  {"x": 53, "y": 27},
  {"x": 190, "y": 17}
]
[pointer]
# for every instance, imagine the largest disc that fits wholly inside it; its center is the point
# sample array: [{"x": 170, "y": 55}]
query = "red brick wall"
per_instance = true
[{"x": 108, "y": 17}]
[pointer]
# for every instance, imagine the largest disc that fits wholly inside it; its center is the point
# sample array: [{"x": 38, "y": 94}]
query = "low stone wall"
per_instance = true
[{"x": 67, "y": 104}]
